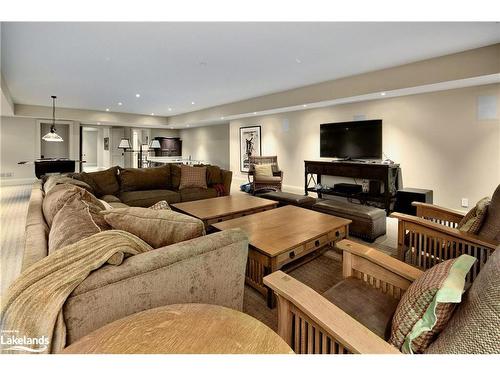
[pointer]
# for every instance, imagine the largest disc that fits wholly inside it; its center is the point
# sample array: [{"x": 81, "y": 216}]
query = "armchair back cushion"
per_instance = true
[
  {"x": 474, "y": 328},
  {"x": 263, "y": 170},
  {"x": 490, "y": 229},
  {"x": 428, "y": 304}
]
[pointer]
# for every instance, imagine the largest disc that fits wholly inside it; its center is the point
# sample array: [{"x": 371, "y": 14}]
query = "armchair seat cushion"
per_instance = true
[
  {"x": 267, "y": 179},
  {"x": 147, "y": 198},
  {"x": 367, "y": 305}
]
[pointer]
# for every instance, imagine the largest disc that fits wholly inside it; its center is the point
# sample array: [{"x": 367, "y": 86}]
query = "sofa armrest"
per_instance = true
[
  {"x": 208, "y": 269},
  {"x": 340, "y": 333},
  {"x": 227, "y": 177}
]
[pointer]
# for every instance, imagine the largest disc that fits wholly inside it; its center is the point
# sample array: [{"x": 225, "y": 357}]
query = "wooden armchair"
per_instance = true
[
  {"x": 432, "y": 236},
  {"x": 311, "y": 323},
  {"x": 260, "y": 183}
]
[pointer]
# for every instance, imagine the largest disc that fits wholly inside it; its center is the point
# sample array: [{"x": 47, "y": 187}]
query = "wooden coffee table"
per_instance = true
[
  {"x": 183, "y": 329},
  {"x": 284, "y": 235},
  {"x": 215, "y": 210}
]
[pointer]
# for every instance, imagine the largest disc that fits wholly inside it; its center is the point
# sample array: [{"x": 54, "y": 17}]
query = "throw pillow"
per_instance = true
[
  {"x": 263, "y": 170},
  {"x": 156, "y": 227},
  {"x": 76, "y": 220},
  {"x": 161, "y": 205},
  {"x": 193, "y": 177},
  {"x": 472, "y": 221},
  {"x": 473, "y": 329},
  {"x": 428, "y": 304},
  {"x": 60, "y": 194}
]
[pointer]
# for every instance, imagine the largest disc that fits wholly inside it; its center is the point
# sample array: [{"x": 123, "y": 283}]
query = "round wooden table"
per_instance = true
[{"x": 187, "y": 328}]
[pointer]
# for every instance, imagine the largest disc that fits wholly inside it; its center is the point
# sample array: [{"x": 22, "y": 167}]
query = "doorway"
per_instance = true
[{"x": 89, "y": 149}]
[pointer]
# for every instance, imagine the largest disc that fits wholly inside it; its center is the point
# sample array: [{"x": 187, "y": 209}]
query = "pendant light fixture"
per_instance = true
[{"x": 52, "y": 136}]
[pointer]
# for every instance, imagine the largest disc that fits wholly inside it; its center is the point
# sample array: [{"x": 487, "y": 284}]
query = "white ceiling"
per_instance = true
[{"x": 96, "y": 65}]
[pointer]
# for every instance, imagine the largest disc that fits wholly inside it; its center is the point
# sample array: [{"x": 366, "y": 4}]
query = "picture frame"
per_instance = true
[
  {"x": 250, "y": 145},
  {"x": 106, "y": 143}
]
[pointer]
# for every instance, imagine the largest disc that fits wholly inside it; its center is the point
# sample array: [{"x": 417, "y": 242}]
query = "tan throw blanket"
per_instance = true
[{"x": 31, "y": 312}]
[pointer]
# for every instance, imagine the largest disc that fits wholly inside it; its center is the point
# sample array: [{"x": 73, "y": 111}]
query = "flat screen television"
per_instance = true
[{"x": 351, "y": 140}]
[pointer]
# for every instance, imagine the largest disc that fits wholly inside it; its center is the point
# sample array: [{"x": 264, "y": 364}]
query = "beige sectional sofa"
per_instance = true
[{"x": 208, "y": 269}]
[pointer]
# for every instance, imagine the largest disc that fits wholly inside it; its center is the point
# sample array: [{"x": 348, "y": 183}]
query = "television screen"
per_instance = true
[{"x": 354, "y": 139}]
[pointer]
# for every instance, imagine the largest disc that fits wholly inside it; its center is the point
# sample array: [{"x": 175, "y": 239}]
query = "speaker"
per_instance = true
[{"x": 406, "y": 196}]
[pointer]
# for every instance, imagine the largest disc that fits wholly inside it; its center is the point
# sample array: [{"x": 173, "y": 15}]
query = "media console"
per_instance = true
[{"x": 387, "y": 175}]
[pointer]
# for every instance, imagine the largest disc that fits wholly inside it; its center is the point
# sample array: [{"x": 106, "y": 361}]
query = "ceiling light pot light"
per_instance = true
[
  {"x": 52, "y": 136},
  {"x": 137, "y": 95},
  {"x": 120, "y": 103}
]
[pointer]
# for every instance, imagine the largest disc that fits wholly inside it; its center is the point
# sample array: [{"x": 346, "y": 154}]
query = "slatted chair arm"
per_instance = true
[
  {"x": 438, "y": 213},
  {"x": 423, "y": 226},
  {"x": 326, "y": 327},
  {"x": 356, "y": 254}
]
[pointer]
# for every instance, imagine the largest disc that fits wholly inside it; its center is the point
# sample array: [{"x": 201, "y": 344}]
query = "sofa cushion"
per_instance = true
[
  {"x": 194, "y": 194},
  {"x": 60, "y": 195},
  {"x": 175, "y": 174},
  {"x": 491, "y": 225},
  {"x": 472, "y": 221},
  {"x": 76, "y": 220},
  {"x": 473, "y": 329},
  {"x": 193, "y": 177},
  {"x": 156, "y": 227},
  {"x": 102, "y": 182},
  {"x": 146, "y": 198},
  {"x": 428, "y": 304},
  {"x": 132, "y": 179},
  {"x": 54, "y": 180},
  {"x": 367, "y": 305}
]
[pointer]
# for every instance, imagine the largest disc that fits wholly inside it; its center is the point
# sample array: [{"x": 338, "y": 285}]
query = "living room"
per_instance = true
[{"x": 302, "y": 194}]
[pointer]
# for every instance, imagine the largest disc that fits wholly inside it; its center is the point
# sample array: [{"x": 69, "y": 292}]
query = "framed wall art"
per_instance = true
[{"x": 250, "y": 145}]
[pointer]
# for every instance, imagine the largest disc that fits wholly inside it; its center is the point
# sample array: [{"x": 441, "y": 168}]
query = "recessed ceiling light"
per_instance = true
[
  {"x": 187, "y": 126},
  {"x": 255, "y": 113},
  {"x": 120, "y": 103},
  {"x": 152, "y": 114},
  {"x": 383, "y": 93},
  {"x": 171, "y": 127},
  {"x": 107, "y": 109},
  {"x": 298, "y": 61},
  {"x": 137, "y": 95},
  {"x": 192, "y": 102},
  {"x": 304, "y": 105},
  {"x": 98, "y": 123},
  {"x": 170, "y": 109}
]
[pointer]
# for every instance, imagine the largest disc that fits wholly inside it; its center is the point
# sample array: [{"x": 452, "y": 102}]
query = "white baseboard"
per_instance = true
[{"x": 16, "y": 181}]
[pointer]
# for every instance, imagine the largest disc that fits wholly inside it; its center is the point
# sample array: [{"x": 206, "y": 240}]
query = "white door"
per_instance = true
[
  {"x": 117, "y": 155},
  {"x": 89, "y": 148}
]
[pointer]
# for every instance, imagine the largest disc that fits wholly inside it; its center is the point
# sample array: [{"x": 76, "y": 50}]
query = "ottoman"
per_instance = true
[
  {"x": 368, "y": 222},
  {"x": 289, "y": 198}
]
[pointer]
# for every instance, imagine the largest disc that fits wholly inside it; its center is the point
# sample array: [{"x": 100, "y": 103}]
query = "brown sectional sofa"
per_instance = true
[
  {"x": 186, "y": 272},
  {"x": 143, "y": 187}
]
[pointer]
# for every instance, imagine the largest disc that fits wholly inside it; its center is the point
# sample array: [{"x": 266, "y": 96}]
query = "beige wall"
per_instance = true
[
  {"x": 207, "y": 143},
  {"x": 17, "y": 143},
  {"x": 436, "y": 138}
]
